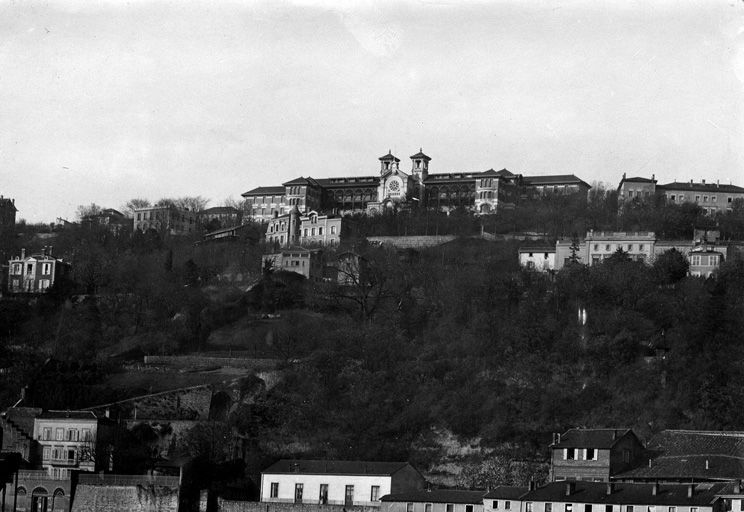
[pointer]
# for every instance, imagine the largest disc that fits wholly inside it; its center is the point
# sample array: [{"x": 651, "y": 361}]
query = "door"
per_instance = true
[{"x": 349, "y": 495}]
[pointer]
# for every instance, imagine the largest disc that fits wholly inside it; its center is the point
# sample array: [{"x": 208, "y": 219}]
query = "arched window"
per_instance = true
[{"x": 21, "y": 491}]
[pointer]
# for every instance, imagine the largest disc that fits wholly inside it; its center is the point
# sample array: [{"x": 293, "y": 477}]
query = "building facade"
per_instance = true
[
  {"x": 7, "y": 213},
  {"x": 393, "y": 188},
  {"x": 593, "y": 454},
  {"x": 220, "y": 217},
  {"x": 436, "y": 500},
  {"x": 504, "y": 499},
  {"x": 711, "y": 197},
  {"x": 601, "y": 245},
  {"x": 295, "y": 228},
  {"x": 539, "y": 258},
  {"x": 165, "y": 219},
  {"x": 36, "y": 273},
  {"x": 345, "y": 483},
  {"x": 306, "y": 262}
]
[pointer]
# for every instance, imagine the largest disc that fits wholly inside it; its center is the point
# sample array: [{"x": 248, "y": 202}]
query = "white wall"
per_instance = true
[{"x": 311, "y": 487}]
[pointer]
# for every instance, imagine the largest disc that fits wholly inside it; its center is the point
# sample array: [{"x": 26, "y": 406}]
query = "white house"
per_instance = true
[
  {"x": 540, "y": 258},
  {"x": 437, "y": 500},
  {"x": 336, "y": 482}
]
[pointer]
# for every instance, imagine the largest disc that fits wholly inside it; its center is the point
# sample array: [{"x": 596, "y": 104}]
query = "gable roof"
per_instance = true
[
  {"x": 334, "y": 467},
  {"x": 302, "y": 181},
  {"x": 389, "y": 156},
  {"x": 554, "y": 179},
  {"x": 701, "y": 187},
  {"x": 438, "y": 496},
  {"x": 691, "y": 454},
  {"x": 262, "y": 191},
  {"x": 421, "y": 154},
  {"x": 626, "y": 494},
  {"x": 600, "y": 438},
  {"x": 506, "y": 492}
]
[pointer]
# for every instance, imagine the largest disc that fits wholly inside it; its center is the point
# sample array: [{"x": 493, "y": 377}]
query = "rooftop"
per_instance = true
[
  {"x": 64, "y": 415},
  {"x": 600, "y": 438},
  {"x": 334, "y": 467},
  {"x": 700, "y": 187},
  {"x": 220, "y": 209},
  {"x": 554, "y": 179},
  {"x": 263, "y": 191},
  {"x": 506, "y": 492},
  {"x": 626, "y": 494},
  {"x": 437, "y": 496}
]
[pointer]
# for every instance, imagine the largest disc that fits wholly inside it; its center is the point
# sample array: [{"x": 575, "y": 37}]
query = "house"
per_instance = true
[
  {"x": 306, "y": 262},
  {"x": 593, "y": 454},
  {"x": 538, "y": 257},
  {"x": 705, "y": 260},
  {"x": 165, "y": 219},
  {"x": 602, "y": 244},
  {"x": 72, "y": 440},
  {"x": 689, "y": 456},
  {"x": 436, "y": 500},
  {"x": 295, "y": 228},
  {"x": 112, "y": 220},
  {"x": 220, "y": 217},
  {"x": 393, "y": 188},
  {"x": 637, "y": 188},
  {"x": 616, "y": 497},
  {"x": 35, "y": 273},
  {"x": 505, "y": 498},
  {"x": 345, "y": 483}
]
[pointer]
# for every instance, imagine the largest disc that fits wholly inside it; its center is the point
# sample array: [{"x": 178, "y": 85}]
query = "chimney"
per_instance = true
[
  {"x": 653, "y": 177},
  {"x": 610, "y": 488},
  {"x": 703, "y": 182},
  {"x": 570, "y": 487},
  {"x": 50, "y": 250},
  {"x": 690, "y": 490},
  {"x": 649, "y": 462},
  {"x": 655, "y": 489},
  {"x": 559, "y": 437},
  {"x": 623, "y": 175},
  {"x": 108, "y": 412},
  {"x": 23, "y": 253}
]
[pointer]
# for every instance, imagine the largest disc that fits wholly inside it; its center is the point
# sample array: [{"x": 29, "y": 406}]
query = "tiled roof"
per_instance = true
[
  {"x": 262, "y": 191},
  {"x": 600, "y": 438},
  {"x": 302, "y": 181},
  {"x": 219, "y": 209},
  {"x": 437, "y": 496},
  {"x": 626, "y": 494},
  {"x": 688, "y": 454},
  {"x": 421, "y": 154},
  {"x": 554, "y": 179},
  {"x": 701, "y": 187},
  {"x": 502, "y": 172},
  {"x": 506, "y": 492},
  {"x": 334, "y": 467},
  {"x": 389, "y": 156},
  {"x": 639, "y": 179},
  {"x": 73, "y": 415},
  {"x": 349, "y": 181},
  {"x": 537, "y": 248}
]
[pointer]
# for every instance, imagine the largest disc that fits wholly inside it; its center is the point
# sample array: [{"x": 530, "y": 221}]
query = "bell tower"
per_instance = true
[
  {"x": 420, "y": 166},
  {"x": 388, "y": 163}
]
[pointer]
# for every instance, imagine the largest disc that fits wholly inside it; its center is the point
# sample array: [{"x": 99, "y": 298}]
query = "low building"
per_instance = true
[
  {"x": 72, "y": 440},
  {"x": 17, "y": 436},
  {"x": 539, "y": 257},
  {"x": 637, "y": 188},
  {"x": 220, "y": 217},
  {"x": 112, "y": 220},
  {"x": 35, "y": 273},
  {"x": 436, "y": 500},
  {"x": 593, "y": 454},
  {"x": 566, "y": 249},
  {"x": 345, "y": 483},
  {"x": 602, "y": 244},
  {"x": 39, "y": 491},
  {"x": 615, "y": 497},
  {"x": 711, "y": 197},
  {"x": 306, "y": 262},
  {"x": 705, "y": 260},
  {"x": 167, "y": 219},
  {"x": 504, "y": 499}
]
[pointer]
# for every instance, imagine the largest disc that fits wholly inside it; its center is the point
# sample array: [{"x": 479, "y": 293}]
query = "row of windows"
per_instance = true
[
  {"x": 374, "y": 494},
  {"x": 59, "y": 453},
  {"x": 17, "y": 269},
  {"x": 70, "y": 434},
  {"x": 702, "y": 259},
  {"x": 268, "y": 200},
  {"x": 449, "y": 507},
  {"x": 579, "y": 454},
  {"x": 587, "y": 507},
  {"x": 614, "y": 247}
]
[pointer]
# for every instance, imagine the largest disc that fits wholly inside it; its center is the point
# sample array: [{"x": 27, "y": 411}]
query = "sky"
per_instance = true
[{"x": 101, "y": 102}]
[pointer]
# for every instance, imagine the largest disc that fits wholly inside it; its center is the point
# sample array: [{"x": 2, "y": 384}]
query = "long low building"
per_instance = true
[{"x": 438, "y": 500}]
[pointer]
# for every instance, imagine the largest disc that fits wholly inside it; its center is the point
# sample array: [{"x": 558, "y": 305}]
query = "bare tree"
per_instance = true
[
  {"x": 90, "y": 210},
  {"x": 193, "y": 203},
  {"x": 133, "y": 204}
]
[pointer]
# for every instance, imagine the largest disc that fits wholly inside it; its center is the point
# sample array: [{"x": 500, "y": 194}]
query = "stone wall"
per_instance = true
[
  {"x": 258, "y": 506},
  {"x": 134, "y": 498},
  {"x": 197, "y": 361},
  {"x": 412, "y": 242}
]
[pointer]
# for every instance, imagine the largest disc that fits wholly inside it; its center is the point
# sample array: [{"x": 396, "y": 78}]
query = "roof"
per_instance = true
[
  {"x": 334, "y": 467},
  {"x": 389, "y": 156},
  {"x": 638, "y": 179},
  {"x": 600, "y": 438},
  {"x": 537, "y": 248},
  {"x": 219, "y": 209},
  {"x": 506, "y": 492},
  {"x": 502, "y": 173},
  {"x": 349, "y": 181},
  {"x": 64, "y": 415},
  {"x": 262, "y": 191},
  {"x": 421, "y": 154},
  {"x": 554, "y": 179},
  {"x": 302, "y": 181},
  {"x": 626, "y": 494},
  {"x": 437, "y": 496},
  {"x": 6, "y": 201},
  {"x": 683, "y": 454},
  {"x": 701, "y": 187},
  {"x": 23, "y": 417}
]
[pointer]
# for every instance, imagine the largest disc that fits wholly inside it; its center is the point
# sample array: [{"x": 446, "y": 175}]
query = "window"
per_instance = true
[
  {"x": 626, "y": 459},
  {"x": 695, "y": 259},
  {"x": 697, "y": 199},
  {"x": 57, "y": 453},
  {"x": 312, "y": 232},
  {"x": 693, "y": 509},
  {"x": 427, "y": 507},
  {"x": 652, "y": 508},
  {"x": 507, "y": 505},
  {"x": 86, "y": 434},
  {"x": 298, "y": 493},
  {"x": 548, "y": 507},
  {"x": 672, "y": 509},
  {"x": 640, "y": 247},
  {"x": 714, "y": 199},
  {"x": 320, "y": 231},
  {"x": 29, "y": 268},
  {"x": 274, "y": 490},
  {"x": 608, "y": 508},
  {"x": 569, "y": 507},
  {"x": 528, "y": 506},
  {"x": 72, "y": 434},
  {"x": 629, "y": 508},
  {"x": 323, "y": 497},
  {"x": 333, "y": 230},
  {"x": 70, "y": 455},
  {"x": 375, "y": 494},
  {"x": 591, "y": 454},
  {"x": 495, "y": 505},
  {"x": 46, "y": 269},
  {"x": 705, "y": 199},
  {"x": 409, "y": 507},
  {"x": 349, "y": 495},
  {"x": 607, "y": 247},
  {"x": 449, "y": 508},
  {"x": 468, "y": 508},
  {"x": 47, "y": 436},
  {"x": 47, "y": 452},
  {"x": 570, "y": 453},
  {"x": 728, "y": 200},
  {"x": 59, "y": 434},
  {"x": 588, "y": 507}
]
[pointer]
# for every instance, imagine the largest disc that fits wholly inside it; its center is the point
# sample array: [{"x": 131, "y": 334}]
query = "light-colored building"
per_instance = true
[
  {"x": 165, "y": 219},
  {"x": 593, "y": 454},
  {"x": 434, "y": 500},
  {"x": 705, "y": 260},
  {"x": 35, "y": 273},
  {"x": 636, "y": 188},
  {"x": 223, "y": 216},
  {"x": 71, "y": 440},
  {"x": 540, "y": 258},
  {"x": 505, "y": 498},
  {"x": 295, "y": 228},
  {"x": 615, "y": 497},
  {"x": 346, "y": 483},
  {"x": 602, "y": 244},
  {"x": 306, "y": 262}
]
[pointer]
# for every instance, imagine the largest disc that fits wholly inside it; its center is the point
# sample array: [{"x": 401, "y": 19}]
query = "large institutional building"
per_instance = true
[
  {"x": 711, "y": 197},
  {"x": 483, "y": 192}
]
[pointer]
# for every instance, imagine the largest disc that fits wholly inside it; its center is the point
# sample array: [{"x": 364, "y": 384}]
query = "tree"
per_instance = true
[
  {"x": 670, "y": 267},
  {"x": 575, "y": 248},
  {"x": 134, "y": 204},
  {"x": 85, "y": 211},
  {"x": 192, "y": 203}
]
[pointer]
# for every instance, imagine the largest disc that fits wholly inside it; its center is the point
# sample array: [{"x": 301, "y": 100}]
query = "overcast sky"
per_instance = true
[{"x": 105, "y": 101}]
